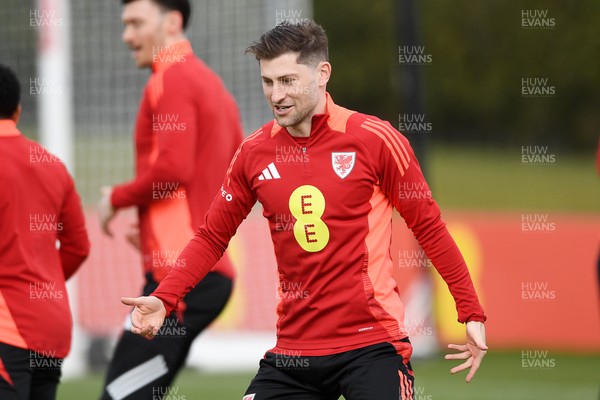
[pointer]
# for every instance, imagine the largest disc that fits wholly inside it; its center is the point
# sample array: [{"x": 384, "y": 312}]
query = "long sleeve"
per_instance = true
[
  {"x": 168, "y": 106},
  {"x": 74, "y": 242},
  {"x": 403, "y": 182},
  {"x": 229, "y": 208}
]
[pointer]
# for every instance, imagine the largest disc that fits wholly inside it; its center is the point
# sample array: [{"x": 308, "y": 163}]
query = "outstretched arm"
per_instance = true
[
  {"x": 231, "y": 205},
  {"x": 147, "y": 316},
  {"x": 473, "y": 351},
  {"x": 404, "y": 184}
]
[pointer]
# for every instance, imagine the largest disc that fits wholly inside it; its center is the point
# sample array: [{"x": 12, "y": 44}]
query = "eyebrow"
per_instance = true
[
  {"x": 130, "y": 21},
  {"x": 287, "y": 76}
]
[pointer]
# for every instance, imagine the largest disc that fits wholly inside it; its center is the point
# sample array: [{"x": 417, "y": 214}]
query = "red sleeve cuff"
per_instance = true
[
  {"x": 117, "y": 197},
  {"x": 475, "y": 317},
  {"x": 169, "y": 301}
]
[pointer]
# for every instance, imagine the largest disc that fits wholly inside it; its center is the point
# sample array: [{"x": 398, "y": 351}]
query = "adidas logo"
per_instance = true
[{"x": 269, "y": 173}]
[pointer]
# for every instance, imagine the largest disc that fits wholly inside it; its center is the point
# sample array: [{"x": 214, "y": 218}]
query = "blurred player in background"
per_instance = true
[
  {"x": 341, "y": 320},
  {"x": 38, "y": 207},
  {"x": 188, "y": 128}
]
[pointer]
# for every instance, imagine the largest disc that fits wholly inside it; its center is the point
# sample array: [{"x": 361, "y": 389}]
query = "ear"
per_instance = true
[
  {"x": 324, "y": 71},
  {"x": 17, "y": 114},
  {"x": 174, "y": 21}
]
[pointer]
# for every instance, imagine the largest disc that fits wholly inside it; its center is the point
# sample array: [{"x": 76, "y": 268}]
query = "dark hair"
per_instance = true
[
  {"x": 10, "y": 92},
  {"x": 183, "y": 6},
  {"x": 307, "y": 38}
]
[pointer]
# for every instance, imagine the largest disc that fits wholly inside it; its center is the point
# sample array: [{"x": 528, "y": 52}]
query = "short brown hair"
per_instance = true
[
  {"x": 183, "y": 6},
  {"x": 307, "y": 38}
]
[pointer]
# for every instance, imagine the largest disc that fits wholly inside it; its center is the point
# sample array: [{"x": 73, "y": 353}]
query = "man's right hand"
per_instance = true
[
  {"x": 133, "y": 236},
  {"x": 148, "y": 315},
  {"x": 106, "y": 211}
]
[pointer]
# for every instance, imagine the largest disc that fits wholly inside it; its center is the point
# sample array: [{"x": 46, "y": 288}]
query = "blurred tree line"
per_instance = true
[{"x": 480, "y": 53}]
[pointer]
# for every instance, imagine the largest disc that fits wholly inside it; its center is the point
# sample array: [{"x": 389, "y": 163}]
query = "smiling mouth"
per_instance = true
[
  {"x": 282, "y": 110},
  {"x": 135, "y": 49}
]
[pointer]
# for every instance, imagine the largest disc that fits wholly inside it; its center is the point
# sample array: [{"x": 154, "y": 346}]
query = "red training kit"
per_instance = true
[
  {"x": 38, "y": 206},
  {"x": 329, "y": 206},
  {"x": 187, "y": 129}
]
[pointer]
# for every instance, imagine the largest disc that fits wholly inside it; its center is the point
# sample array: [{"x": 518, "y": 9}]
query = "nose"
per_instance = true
[
  {"x": 278, "y": 93},
  {"x": 126, "y": 37}
]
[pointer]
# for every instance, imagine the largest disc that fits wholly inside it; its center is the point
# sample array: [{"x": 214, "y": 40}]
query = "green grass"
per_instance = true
[
  {"x": 501, "y": 377},
  {"x": 460, "y": 177},
  {"x": 190, "y": 383},
  {"x": 492, "y": 179}
]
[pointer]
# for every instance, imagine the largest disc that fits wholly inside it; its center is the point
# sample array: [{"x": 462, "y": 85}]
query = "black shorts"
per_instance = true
[
  {"x": 375, "y": 372},
  {"x": 25, "y": 374},
  {"x": 144, "y": 369}
]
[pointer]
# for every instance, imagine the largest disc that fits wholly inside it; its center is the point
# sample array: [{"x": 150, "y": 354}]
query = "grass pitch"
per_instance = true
[{"x": 502, "y": 376}]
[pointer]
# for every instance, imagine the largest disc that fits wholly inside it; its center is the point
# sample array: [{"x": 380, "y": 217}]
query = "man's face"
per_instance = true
[
  {"x": 292, "y": 90},
  {"x": 144, "y": 31}
]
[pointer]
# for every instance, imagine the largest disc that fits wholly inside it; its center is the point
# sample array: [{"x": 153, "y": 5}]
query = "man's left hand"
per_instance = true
[{"x": 473, "y": 351}]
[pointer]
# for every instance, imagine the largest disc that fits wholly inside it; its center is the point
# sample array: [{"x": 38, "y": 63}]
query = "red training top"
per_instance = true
[
  {"x": 38, "y": 207},
  {"x": 329, "y": 206},
  {"x": 187, "y": 129}
]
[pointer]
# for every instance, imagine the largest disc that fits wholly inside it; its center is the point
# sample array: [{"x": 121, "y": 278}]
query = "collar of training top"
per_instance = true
[
  {"x": 8, "y": 127},
  {"x": 169, "y": 55},
  {"x": 331, "y": 118}
]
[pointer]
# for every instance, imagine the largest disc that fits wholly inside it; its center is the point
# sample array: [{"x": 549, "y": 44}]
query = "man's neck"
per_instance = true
[
  {"x": 301, "y": 130},
  {"x": 171, "y": 40},
  {"x": 304, "y": 128}
]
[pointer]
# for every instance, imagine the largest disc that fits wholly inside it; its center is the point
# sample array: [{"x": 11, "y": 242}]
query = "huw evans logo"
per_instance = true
[
  {"x": 45, "y": 86},
  {"x": 167, "y": 54},
  {"x": 537, "y": 291},
  {"x": 413, "y": 55},
  {"x": 45, "y": 223},
  {"x": 418, "y": 393},
  {"x": 291, "y": 291},
  {"x": 45, "y": 291},
  {"x": 537, "y": 155},
  {"x": 44, "y": 360},
  {"x": 167, "y": 123},
  {"x": 537, "y": 19},
  {"x": 413, "y": 123},
  {"x": 418, "y": 327},
  {"x": 167, "y": 259},
  {"x": 413, "y": 259},
  {"x": 414, "y": 191},
  {"x": 167, "y": 393},
  {"x": 537, "y": 87},
  {"x": 537, "y": 360},
  {"x": 292, "y": 155},
  {"x": 291, "y": 359},
  {"x": 168, "y": 191},
  {"x": 39, "y": 18},
  {"x": 291, "y": 16},
  {"x": 537, "y": 223}
]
